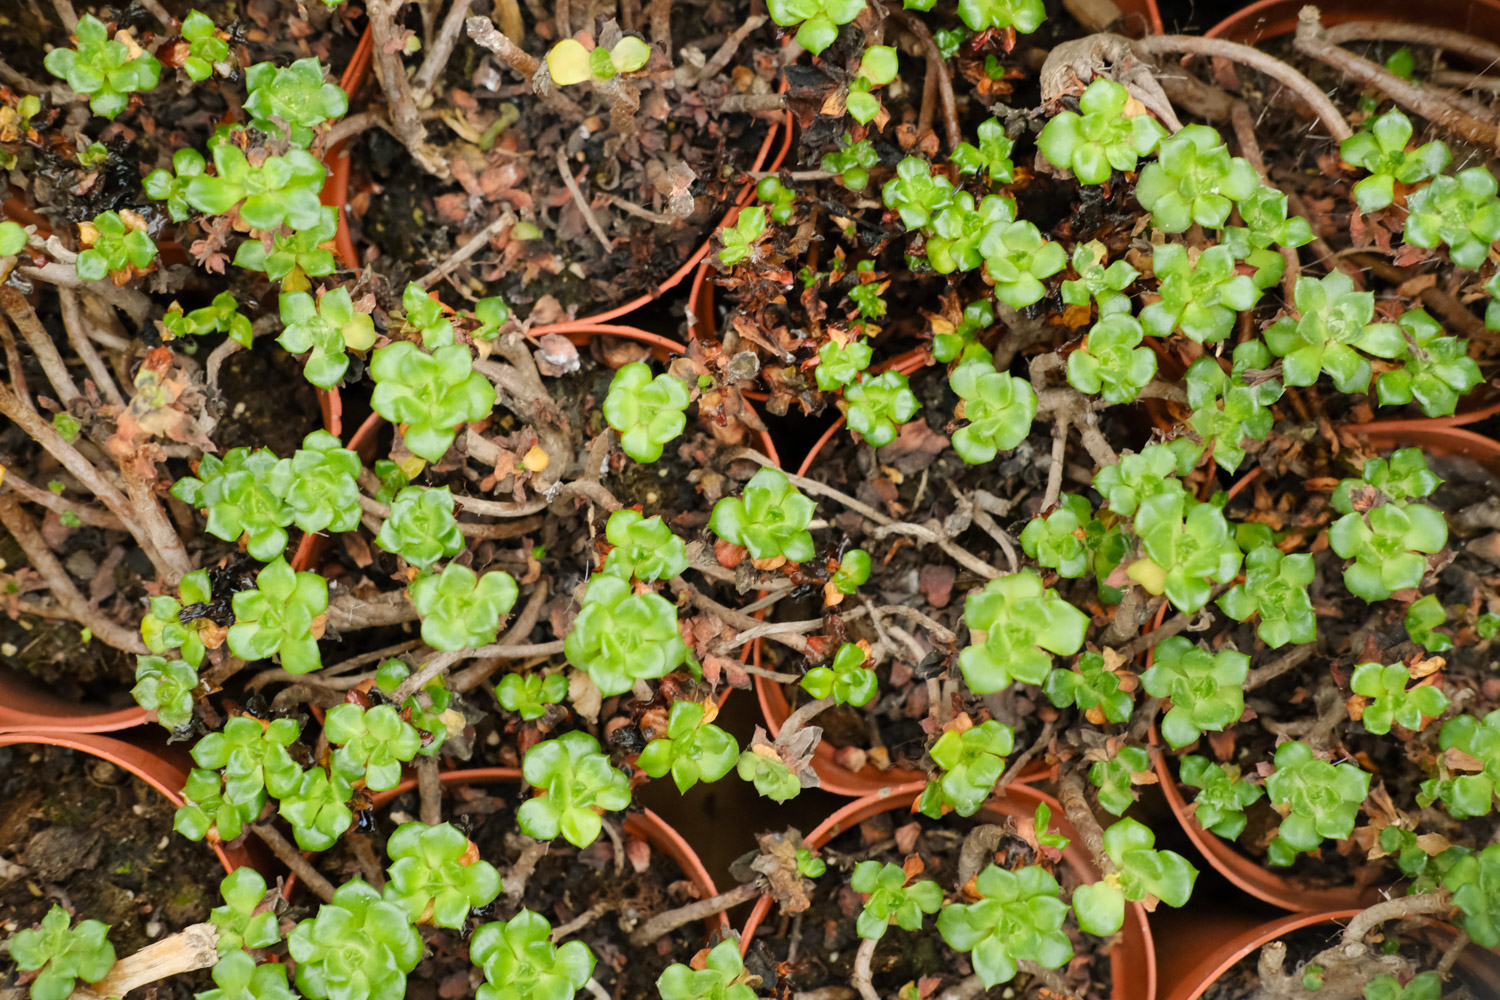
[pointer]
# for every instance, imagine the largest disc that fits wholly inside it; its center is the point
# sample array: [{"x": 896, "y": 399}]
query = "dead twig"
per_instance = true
[
  {"x": 578, "y": 200},
  {"x": 405, "y": 117},
  {"x": 288, "y": 855},
  {"x": 476, "y": 243},
  {"x": 935, "y": 59},
  {"x": 59, "y": 503},
  {"x": 667, "y": 922},
  {"x": 439, "y": 52},
  {"x": 484, "y": 32},
  {"x": 192, "y": 948}
]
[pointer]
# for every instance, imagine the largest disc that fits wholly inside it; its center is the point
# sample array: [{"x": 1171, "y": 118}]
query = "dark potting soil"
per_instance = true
[
  {"x": 816, "y": 948},
  {"x": 565, "y": 883},
  {"x": 98, "y": 841}
]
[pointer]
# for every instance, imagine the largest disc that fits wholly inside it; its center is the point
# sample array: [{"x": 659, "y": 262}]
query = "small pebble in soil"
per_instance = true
[{"x": 153, "y": 929}]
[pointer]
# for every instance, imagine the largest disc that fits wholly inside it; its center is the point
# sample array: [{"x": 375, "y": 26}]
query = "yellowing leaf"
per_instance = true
[{"x": 568, "y": 62}]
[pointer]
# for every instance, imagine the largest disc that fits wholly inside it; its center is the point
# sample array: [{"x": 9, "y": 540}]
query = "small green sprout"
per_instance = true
[
  {"x": 853, "y": 571},
  {"x": 1112, "y": 363},
  {"x": 1461, "y": 211},
  {"x": 1143, "y": 872},
  {"x": 840, "y": 364},
  {"x": 238, "y": 977},
  {"x": 866, "y": 294},
  {"x": 1275, "y": 588},
  {"x": 239, "y": 495},
  {"x": 222, "y": 315},
  {"x": 620, "y": 637},
  {"x": 693, "y": 749},
  {"x": 809, "y": 865},
  {"x": 1187, "y": 544},
  {"x": 279, "y": 616},
  {"x": 1475, "y": 884},
  {"x": 915, "y": 193},
  {"x": 115, "y": 247},
  {"x": 991, "y": 157},
  {"x": 430, "y": 393},
  {"x": 1194, "y": 179},
  {"x": 63, "y": 954},
  {"x": 254, "y": 757},
  {"x": 1381, "y": 149},
  {"x": 769, "y": 774},
  {"x": 1468, "y": 795},
  {"x": 1025, "y": 16},
  {"x": 1317, "y": 800},
  {"x": 578, "y": 783},
  {"x": 722, "y": 977},
  {"x": 1436, "y": 370},
  {"x": 1113, "y": 777},
  {"x": 1206, "y": 688},
  {"x": 647, "y": 412},
  {"x": 492, "y": 313},
  {"x": 163, "y": 629},
  {"x": 421, "y": 527},
  {"x": 645, "y": 548},
  {"x": 877, "y": 68},
  {"x": 12, "y": 238},
  {"x": 1092, "y": 688},
  {"x": 320, "y": 485},
  {"x": 769, "y": 519},
  {"x": 817, "y": 23},
  {"x": 426, "y": 710},
  {"x": 848, "y": 681},
  {"x": 530, "y": 694},
  {"x": 294, "y": 96},
  {"x": 1391, "y": 702},
  {"x": 165, "y": 687},
  {"x": 318, "y": 810},
  {"x": 1266, "y": 222},
  {"x": 1201, "y": 294},
  {"x": 1018, "y": 917},
  {"x": 1388, "y": 542},
  {"x": 461, "y": 609},
  {"x": 1423, "y": 616},
  {"x": 951, "y": 344},
  {"x": 1016, "y": 258},
  {"x": 424, "y": 315},
  {"x": 1022, "y": 624},
  {"x": 1152, "y": 472},
  {"x": 241, "y": 921},
  {"x": 437, "y": 876},
  {"x": 891, "y": 900},
  {"x": 106, "y": 70},
  {"x": 207, "y": 812},
  {"x": 372, "y": 743},
  {"x": 737, "y": 242},
  {"x": 1336, "y": 324},
  {"x": 358, "y": 945},
  {"x": 971, "y": 762},
  {"x": 852, "y": 161},
  {"x": 1055, "y": 541},
  {"x": 782, "y": 199},
  {"x": 999, "y": 407},
  {"x": 1423, "y": 986},
  {"x": 878, "y": 405},
  {"x": 569, "y": 62},
  {"x": 171, "y": 186},
  {"x": 1223, "y": 795},
  {"x": 1103, "y": 138},
  {"x": 958, "y": 229},
  {"x": 280, "y": 190},
  {"x": 1105, "y": 285},
  {"x": 1229, "y": 410},
  {"x": 295, "y": 257},
  {"x": 205, "y": 48},
  {"x": 520, "y": 962}
]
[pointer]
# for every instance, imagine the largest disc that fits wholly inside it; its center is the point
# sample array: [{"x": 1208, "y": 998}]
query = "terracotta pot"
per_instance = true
[
  {"x": 1440, "y": 437},
  {"x": 1197, "y": 953},
  {"x": 646, "y": 825},
  {"x": 1274, "y": 18},
  {"x": 162, "y": 767},
  {"x": 27, "y": 706},
  {"x": 1132, "y": 960}
]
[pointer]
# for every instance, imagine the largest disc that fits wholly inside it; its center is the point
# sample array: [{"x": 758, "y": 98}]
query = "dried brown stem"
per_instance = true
[
  {"x": 134, "y": 303},
  {"x": 439, "y": 663},
  {"x": 1172, "y": 626},
  {"x": 1255, "y": 59},
  {"x": 405, "y": 117},
  {"x": 69, "y": 601},
  {"x": 578, "y": 923},
  {"x": 1421, "y": 905},
  {"x": 860, "y": 977},
  {"x": 484, "y": 32},
  {"x": 1059, "y": 454},
  {"x": 665, "y": 923},
  {"x": 190, "y": 949},
  {"x": 439, "y": 51},
  {"x": 918, "y": 29},
  {"x": 429, "y": 790},
  {"x": 40, "y": 342},
  {"x": 1477, "y": 49},
  {"x": 789, "y": 633},
  {"x": 61, "y": 504},
  {"x": 513, "y": 883},
  {"x": 660, "y": 13},
  {"x": 288, "y": 855},
  {"x": 77, "y": 325},
  {"x": 1311, "y": 40},
  {"x": 726, "y": 52},
  {"x": 1289, "y": 660},
  {"x": 1075, "y": 804},
  {"x": 471, "y": 678},
  {"x": 478, "y": 242},
  {"x": 581, "y": 202}
]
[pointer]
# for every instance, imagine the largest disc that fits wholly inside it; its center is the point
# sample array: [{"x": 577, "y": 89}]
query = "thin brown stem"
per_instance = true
[
  {"x": 439, "y": 663},
  {"x": 513, "y": 884},
  {"x": 484, "y": 32},
  {"x": 789, "y": 635},
  {"x": 190, "y": 949},
  {"x": 40, "y": 342},
  {"x": 440, "y": 50},
  {"x": 1255, "y": 59},
  {"x": 1059, "y": 455},
  {"x": 1289, "y": 660},
  {"x": 1311, "y": 40},
  {"x": 1477, "y": 49},
  {"x": 934, "y": 58},
  {"x": 1421, "y": 905},
  {"x": 59, "y": 503},
  {"x": 288, "y": 855},
  {"x": 582, "y": 203},
  {"x": 476, "y": 243},
  {"x": 69, "y": 601},
  {"x": 860, "y": 977},
  {"x": 429, "y": 790},
  {"x": 405, "y": 117},
  {"x": 1075, "y": 804},
  {"x": 664, "y": 923},
  {"x": 77, "y": 325}
]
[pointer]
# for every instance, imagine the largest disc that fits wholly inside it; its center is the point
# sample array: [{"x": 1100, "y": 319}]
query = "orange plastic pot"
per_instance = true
[
  {"x": 26, "y": 706},
  {"x": 155, "y": 763},
  {"x": 1274, "y": 18},
  {"x": 1133, "y": 958},
  {"x": 1437, "y": 437},
  {"x": 1198, "y": 952}
]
